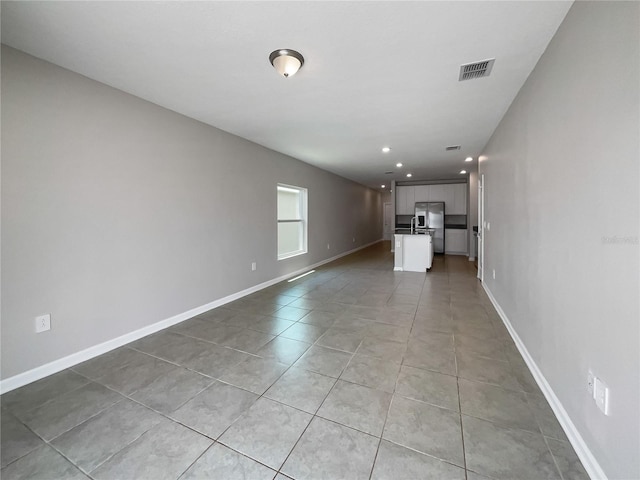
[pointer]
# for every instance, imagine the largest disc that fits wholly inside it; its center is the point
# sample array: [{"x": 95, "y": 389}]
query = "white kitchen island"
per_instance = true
[{"x": 413, "y": 253}]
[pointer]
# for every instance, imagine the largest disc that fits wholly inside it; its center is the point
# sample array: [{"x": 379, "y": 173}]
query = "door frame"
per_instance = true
[
  {"x": 387, "y": 235},
  {"x": 481, "y": 223}
]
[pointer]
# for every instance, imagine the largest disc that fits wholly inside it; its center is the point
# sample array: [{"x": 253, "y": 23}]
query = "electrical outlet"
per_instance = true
[
  {"x": 488, "y": 225},
  {"x": 493, "y": 273},
  {"x": 601, "y": 394},
  {"x": 43, "y": 323},
  {"x": 328, "y": 246},
  {"x": 590, "y": 382},
  {"x": 354, "y": 239},
  {"x": 254, "y": 266}
]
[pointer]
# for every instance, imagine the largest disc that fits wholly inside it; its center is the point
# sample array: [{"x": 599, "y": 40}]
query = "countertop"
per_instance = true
[{"x": 407, "y": 231}]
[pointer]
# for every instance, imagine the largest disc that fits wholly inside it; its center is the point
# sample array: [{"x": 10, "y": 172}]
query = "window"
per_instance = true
[{"x": 292, "y": 221}]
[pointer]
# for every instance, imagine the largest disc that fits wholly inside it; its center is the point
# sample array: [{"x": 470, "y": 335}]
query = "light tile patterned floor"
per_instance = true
[{"x": 353, "y": 372}]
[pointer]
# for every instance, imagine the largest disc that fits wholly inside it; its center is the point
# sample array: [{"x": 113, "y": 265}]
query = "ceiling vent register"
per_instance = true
[
  {"x": 471, "y": 71},
  {"x": 452, "y": 147}
]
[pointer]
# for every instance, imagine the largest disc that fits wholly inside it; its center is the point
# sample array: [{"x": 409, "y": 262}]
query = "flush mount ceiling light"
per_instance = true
[
  {"x": 382, "y": 186},
  {"x": 468, "y": 159},
  {"x": 399, "y": 165},
  {"x": 409, "y": 175},
  {"x": 462, "y": 172},
  {"x": 286, "y": 62},
  {"x": 386, "y": 149}
]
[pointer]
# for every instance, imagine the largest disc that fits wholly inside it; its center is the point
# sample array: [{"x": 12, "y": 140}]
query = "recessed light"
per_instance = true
[
  {"x": 462, "y": 172},
  {"x": 399, "y": 165},
  {"x": 468, "y": 159},
  {"x": 409, "y": 175},
  {"x": 386, "y": 149},
  {"x": 382, "y": 186}
]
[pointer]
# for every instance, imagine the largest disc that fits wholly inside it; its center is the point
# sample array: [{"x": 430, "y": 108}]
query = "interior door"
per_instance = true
[
  {"x": 481, "y": 228},
  {"x": 387, "y": 222}
]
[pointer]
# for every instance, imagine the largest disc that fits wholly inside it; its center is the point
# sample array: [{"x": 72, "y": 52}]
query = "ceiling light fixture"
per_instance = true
[
  {"x": 462, "y": 172},
  {"x": 286, "y": 62},
  {"x": 382, "y": 186},
  {"x": 399, "y": 165},
  {"x": 409, "y": 175},
  {"x": 386, "y": 149},
  {"x": 468, "y": 159}
]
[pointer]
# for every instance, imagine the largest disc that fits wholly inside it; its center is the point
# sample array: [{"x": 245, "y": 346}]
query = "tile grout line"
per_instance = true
[
  {"x": 464, "y": 451},
  {"x": 366, "y": 274},
  {"x": 553, "y": 457},
  {"x": 261, "y": 396},
  {"x": 313, "y": 416},
  {"x": 384, "y": 424}
]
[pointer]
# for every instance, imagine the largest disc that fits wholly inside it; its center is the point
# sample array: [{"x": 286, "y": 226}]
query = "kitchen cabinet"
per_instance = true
[
  {"x": 455, "y": 241},
  {"x": 421, "y": 193},
  {"x": 413, "y": 253},
  {"x": 447, "y": 197},
  {"x": 453, "y": 195},
  {"x": 405, "y": 200},
  {"x": 437, "y": 193},
  {"x": 401, "y": 199},
  {"x": 458, "y": 205}
]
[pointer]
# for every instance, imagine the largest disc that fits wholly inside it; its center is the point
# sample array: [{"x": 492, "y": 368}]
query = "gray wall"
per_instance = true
[
  {"x": 562, "y": 198},
  {"x": 117, "y": 213}
]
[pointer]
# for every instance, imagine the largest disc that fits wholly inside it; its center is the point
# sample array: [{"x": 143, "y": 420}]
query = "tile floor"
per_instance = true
[{"x": 352, "y": 372}]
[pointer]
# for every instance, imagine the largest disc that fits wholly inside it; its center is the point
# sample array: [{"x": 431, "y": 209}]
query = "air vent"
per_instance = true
[
  {"x": 474, "y": 70},
  {"x": 452, "y": 147},
  {"x": 388, "y": 173}
]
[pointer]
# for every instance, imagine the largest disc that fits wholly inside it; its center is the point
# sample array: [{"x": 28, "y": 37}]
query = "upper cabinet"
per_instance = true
[
  {"x": 458, "y": 205},
  {"x": 437, "y": 193},
  {"x": 421, "y": 193},
  {"x": 405, "y": 201},
  {"x": 453, "y": 195}
]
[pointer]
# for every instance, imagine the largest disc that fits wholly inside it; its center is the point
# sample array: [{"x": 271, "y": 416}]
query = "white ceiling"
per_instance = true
[{"x": 375, "y": 73}]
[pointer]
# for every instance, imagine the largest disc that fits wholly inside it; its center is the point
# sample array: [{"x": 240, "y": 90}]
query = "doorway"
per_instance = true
[{"x": 387, "y": 222}]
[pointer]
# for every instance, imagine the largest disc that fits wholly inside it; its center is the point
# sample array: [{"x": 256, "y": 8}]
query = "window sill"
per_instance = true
[{"x": 284, "y": 256}]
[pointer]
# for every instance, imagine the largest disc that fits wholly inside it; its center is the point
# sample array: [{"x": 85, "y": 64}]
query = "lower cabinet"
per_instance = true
[{"x": 455, "y": 241}]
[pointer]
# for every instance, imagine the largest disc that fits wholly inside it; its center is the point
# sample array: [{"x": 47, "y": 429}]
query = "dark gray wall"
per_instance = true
[
  {"x": 562, "y": 177},
  {"x": 117, "y": 213}
]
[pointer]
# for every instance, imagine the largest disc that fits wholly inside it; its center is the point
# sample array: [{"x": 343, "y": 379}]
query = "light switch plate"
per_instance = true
[
  {"x": 43, "y": 323},
  {"x": 601, "y": 394}
]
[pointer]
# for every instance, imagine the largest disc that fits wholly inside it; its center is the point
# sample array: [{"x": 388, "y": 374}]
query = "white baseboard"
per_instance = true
[
  {"x": 56, "y": 366},
  {"x": 587, "y": 458}
]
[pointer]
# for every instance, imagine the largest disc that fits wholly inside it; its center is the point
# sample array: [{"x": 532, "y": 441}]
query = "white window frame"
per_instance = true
[{"x": 303, "y": 194}]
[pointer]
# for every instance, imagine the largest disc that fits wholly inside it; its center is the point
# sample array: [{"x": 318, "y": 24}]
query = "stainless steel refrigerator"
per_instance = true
[{"x": 433, "y": 214}]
